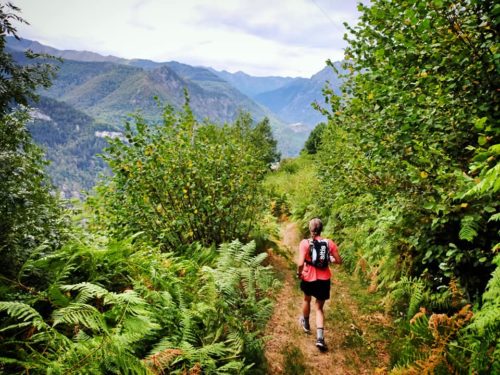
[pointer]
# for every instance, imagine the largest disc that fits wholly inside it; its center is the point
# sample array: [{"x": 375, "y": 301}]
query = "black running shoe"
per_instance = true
[
  {"x": 305, "y": 325},
  {"x": 320, "y": 344}
]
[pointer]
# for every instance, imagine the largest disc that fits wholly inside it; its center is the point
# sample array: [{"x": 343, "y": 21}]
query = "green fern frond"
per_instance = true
[
  {"x": 237, "y": 341},
  {"x": 23, "y": 312},
  {"x": 486, "y": 321},
  {"x": 264, "y": 309},
  {"x": 86, "y": 291},
  {"x": 490, "y": 183},
  {"x": 469, "y": 227},
  {"x": 80, "y": 314},
  {"x": 129, "y": 297},
  {"x": 121, "y": 360},
  {"x": 166, "y": 343},
  {"x": 410, "y": 290},
  {"x": 442, "y": 300},
  {"x": 419, "y": 326},
  {"x": 139, "y": 327},
  {"x": 82, "y": 336},
  {"x": 416, "y": 298},
  {"x": 257, "y": 260},
  {"x": 495, "y": 217},
  {"x": 188, "y": 326},
  {"x": 234, "y": 367}
]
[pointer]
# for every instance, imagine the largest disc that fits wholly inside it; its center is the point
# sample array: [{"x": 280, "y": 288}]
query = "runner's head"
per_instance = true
[{"x": 315, "y": 227}]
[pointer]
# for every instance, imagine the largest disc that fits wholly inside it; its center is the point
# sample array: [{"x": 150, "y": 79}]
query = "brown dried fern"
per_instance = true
[{"x": 159, "y": 361}]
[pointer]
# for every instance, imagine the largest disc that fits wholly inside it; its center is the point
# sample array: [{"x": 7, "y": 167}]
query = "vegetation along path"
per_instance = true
[{"x": 356, "y": 330}]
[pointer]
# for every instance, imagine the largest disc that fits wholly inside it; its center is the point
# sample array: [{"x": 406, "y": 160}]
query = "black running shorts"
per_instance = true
[{"x": 320, "y": 289}]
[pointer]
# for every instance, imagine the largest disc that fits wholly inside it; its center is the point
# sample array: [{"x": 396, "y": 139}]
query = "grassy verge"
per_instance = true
[{"x": 357, "y": 319}]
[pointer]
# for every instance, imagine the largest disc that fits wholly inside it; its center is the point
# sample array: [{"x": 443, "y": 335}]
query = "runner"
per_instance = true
[{"x": 315, "y": 254}]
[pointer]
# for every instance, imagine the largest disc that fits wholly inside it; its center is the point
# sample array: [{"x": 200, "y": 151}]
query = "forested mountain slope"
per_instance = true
[
  {"x": 71, "y": 141},
  {"x": 107, "y": 86},
  {"x": 110, "y": 91}
]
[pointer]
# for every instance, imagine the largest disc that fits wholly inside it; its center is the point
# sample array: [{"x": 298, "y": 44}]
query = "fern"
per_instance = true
[
  {"x": 482, "y": 335},
  {"x": 87, "y": 291},
  {"x": 469, "y": 227},
  {"x": 187, "y": 315},
  {"x": 419, "y": 326},
  {"x": 410, "y": 291},
  {"x": 495, "y": 217},
  {"x": 487, "y": 320},
  {"x": 490, "y": 183},
  {"x": 24, "y": 313},
  {"x": 188, "y": 326},
  {"x": 80, "y": 315},
  {"x": 416, "y": 297}
]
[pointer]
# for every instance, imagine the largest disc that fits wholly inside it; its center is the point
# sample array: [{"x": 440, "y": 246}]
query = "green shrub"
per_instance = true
[{"x": 181, "y": 181}]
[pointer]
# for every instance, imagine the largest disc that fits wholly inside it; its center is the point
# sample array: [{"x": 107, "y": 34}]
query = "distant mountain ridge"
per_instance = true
[
  {"x": 283, "y": 99},
  {"x": 24, "y": 44},
  {"x": 110, "y": 88},
  {"x": 289, "y": 98},
  {"x": 292, "y": 102},
  {"x": 250, "y": 85}
]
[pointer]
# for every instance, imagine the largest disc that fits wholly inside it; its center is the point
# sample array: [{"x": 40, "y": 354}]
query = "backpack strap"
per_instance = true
[{"x": 311, "y": 245}]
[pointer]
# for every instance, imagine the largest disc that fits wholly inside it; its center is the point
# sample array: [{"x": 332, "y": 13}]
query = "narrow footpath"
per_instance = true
[{"x": 356, "y": 330}]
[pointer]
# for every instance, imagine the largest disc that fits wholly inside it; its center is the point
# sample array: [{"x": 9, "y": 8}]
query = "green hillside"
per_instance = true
[
  {"x": 109, "y": 88},
  {"x": 68, "y": 137}
]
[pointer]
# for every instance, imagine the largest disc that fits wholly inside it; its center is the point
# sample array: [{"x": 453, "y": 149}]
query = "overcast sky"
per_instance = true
[{"x": 259, "y": 37}]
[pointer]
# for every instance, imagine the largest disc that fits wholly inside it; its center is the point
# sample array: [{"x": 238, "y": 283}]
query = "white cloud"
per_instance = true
[{"x": 260, "y": 37}]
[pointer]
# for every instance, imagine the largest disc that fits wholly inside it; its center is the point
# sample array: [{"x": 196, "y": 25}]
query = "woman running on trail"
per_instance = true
[{"x": 315, "y": 254}]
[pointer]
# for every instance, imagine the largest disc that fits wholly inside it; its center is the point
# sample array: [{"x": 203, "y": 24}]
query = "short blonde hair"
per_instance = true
[{"x": 315, "y": 226}]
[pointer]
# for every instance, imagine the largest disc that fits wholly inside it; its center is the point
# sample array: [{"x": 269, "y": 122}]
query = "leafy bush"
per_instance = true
[
  {"x": 181, "y": 181},
  {"x": 31, "y": 216}
]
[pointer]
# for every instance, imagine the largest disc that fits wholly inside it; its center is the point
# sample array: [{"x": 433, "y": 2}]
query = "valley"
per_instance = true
[{"x": 108, "y": 91}]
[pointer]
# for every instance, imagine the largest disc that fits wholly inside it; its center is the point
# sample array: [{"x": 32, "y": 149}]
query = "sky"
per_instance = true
[{"x": 259, "y": 37}]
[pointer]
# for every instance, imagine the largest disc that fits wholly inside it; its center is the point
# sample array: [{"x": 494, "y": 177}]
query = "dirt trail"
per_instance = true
[{"x": 290, "y": 351}]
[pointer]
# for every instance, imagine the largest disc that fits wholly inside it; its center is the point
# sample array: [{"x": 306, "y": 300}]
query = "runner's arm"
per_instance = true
[
  {"x": 334, "y": 251},
  {"x": 300, "y": 261}
]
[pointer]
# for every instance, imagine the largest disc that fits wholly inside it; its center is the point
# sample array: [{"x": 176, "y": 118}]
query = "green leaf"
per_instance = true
[
  {"x": 495, "y": 149},
  {"x": 480, "y": 122}
]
